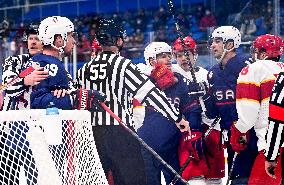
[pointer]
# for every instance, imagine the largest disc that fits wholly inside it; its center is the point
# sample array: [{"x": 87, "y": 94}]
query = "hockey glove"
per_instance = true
[
  {"x": 197, "y": 89},
  {"x": 238, "y": 140},
  {"x": 89, "y": 100},
  {"x": 163, "y": 76},
  {"x": 193, "y": 143}
]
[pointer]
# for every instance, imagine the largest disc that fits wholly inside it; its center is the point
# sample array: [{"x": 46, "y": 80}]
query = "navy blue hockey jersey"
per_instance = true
[
  {"x": 162, "y": 133},
  {"x": 222, "y": 90},
  {"x": 42, "y": 94}
]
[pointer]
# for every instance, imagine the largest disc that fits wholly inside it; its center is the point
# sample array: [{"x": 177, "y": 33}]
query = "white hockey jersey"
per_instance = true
[
  {"x": 254, "y": 87},
  {"x": 201, "y": 76}
]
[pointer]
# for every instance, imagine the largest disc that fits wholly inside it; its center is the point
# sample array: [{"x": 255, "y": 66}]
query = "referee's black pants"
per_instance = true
[{"x": 121, "y": 153}]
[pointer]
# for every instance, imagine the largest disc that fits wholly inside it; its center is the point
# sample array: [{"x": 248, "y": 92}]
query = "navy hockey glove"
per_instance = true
[
  {"x": 197, "y": 90},
  {"x": 89, "y": 100}
]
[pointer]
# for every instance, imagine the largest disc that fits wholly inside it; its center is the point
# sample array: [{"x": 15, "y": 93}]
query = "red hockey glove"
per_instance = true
[
  {"x": 195, "y": 168},
  {"x": 193, "y": 144},
  {"x": 238, "y": 140},
  {"x": 163, "y": 76},
  {"x": 89, "y": 100}
]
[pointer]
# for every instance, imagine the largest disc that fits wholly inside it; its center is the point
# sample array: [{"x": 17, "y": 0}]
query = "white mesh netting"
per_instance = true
[{"x": 27, "y": 156}]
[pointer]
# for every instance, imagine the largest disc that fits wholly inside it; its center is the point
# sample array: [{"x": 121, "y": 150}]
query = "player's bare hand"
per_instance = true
[
  {"x": 269, "y": 168},
  {"x": 35, "y": 77},
  {"x": 183, "y": 125},
  {"x": 59, "y": 93}
]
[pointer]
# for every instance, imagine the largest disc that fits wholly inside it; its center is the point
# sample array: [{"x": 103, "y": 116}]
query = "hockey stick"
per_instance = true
[
  {"x": 242, "y": 140},
  {"x": 157, "y": 156},
  {"x": 216, "y": 120},
  {"x": 192, "y": 71},
  {"x": 174, "y": 181},
  {"x": 232, "y": 168},
  {"x": 16, "y": 79}
]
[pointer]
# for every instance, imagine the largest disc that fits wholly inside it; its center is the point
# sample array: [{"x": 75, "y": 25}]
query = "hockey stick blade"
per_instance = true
[
  {"x": 151, "y": 150},
  {"x": 16, "y": 79}
]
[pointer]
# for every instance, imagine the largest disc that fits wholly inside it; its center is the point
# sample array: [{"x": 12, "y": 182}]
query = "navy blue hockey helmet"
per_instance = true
[
  {"x": 31, "y": 29},
  {"x": 109, "y": 31}
]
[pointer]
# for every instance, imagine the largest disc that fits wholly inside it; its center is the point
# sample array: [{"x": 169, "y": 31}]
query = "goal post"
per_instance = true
[{"x": 52, "y": 149}]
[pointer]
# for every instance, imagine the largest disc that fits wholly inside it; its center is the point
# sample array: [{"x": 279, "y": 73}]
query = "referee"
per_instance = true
[
  {"x": 275, "y": 134},
  {"x": 121, "y": 81},
  {"x": 17, "y": 95}
]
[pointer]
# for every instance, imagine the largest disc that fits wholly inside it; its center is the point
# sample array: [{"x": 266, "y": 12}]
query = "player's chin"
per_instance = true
[
  {"x": 34, "y": 51},
  {"x": 185, "y": 65},
  {"x": 67, "y": 53}
]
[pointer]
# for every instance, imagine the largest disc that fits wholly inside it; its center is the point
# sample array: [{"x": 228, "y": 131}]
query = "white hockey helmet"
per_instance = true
[
  {"x": 51, "y": 26},
  {"x": 155, "y": 48},
  {"x": 228, "y": 33}
]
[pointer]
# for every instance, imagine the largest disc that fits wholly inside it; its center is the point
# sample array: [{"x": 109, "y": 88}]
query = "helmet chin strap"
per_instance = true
[
  {"x": 60, "y": 49},
  {"x": 224, "y": 53},
  {"x": 195, "y": 58}
]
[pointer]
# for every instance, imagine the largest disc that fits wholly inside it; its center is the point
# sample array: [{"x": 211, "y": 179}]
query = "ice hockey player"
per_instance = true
[
  {"x": 221, "y": 101},
  {"x": 274, "y": 137},
  {"x": 159, "y": 132},
  {"x": 17, "y": 96},
  {"x": 121, "y": 81},
  {"x": 213, "y": 153},
  {"x": 57, "y": 35},
  {"x": 254, "y": 87}
]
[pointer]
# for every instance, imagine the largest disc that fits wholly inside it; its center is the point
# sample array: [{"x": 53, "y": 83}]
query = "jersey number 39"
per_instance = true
[{"x": 51, "y": 68}]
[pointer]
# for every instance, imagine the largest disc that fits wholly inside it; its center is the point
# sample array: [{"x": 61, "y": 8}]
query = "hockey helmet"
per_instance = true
[
  {"x": 109, "y": 31},
  {"x": 271, "y": 44},
  {"x": 32, "y": 29},
  {"x": 155, "y": 48},
  {"x": 96, "y": 45},
  {"x": 227, "y": 33},
  {"x": 51, "y": 26},
  {"x": 189, "y": 43}
]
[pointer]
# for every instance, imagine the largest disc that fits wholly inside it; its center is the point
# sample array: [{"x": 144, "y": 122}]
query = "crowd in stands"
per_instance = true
[{"x": 143, "y": 26}]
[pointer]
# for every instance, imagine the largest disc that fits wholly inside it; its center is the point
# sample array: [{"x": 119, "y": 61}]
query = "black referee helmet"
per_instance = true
[
  {"x": 109, "y": 32},
  {"x": 31, "y": 29}
]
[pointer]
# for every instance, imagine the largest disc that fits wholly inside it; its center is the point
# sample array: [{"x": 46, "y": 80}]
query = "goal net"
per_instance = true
[{"x": 41, "y": 149}]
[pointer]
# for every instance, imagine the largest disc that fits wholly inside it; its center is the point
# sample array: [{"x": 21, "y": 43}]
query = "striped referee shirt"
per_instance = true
[
  {"x": 121, "y": 81},
  {"x": 275, "y": 134},
  {"x": 15, "y": 98}
]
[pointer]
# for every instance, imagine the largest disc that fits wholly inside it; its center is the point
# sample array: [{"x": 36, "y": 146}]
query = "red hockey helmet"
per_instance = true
[
  {"x": 271, "y": 44},
  {"x": 96, "y": 45},
  {"x": 190, "y": 44}
]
